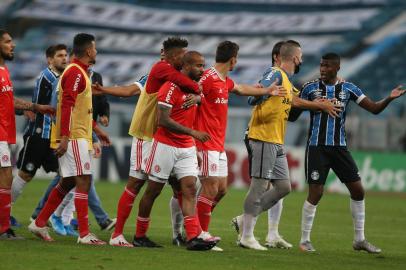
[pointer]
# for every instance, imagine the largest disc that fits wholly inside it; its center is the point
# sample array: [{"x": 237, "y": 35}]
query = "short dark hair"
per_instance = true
[
  {"x": 226, "y": 50},
  {"x": 294, "y": 42},
  {"x": 331, "y": 56},
  {"x": 174, "y": 42},
  {"x": 189, "y": 57},
  {"x": 276, "y": 50},
  {"x": 51, "y": 51},
  {"x": 81, "y": 42},
  {"x": 3, "y": 32}
]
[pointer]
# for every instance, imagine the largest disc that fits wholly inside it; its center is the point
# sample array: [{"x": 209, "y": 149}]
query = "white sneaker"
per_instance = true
[
  {"x": 41, "y": 232},
  {"x": 90, "y": 239},
  {"x": 251, "y": 243},
  {"x": 216, "y": 248},
  {"x": 208, "y": 237},
  {"x": 120, "y": 241},
  {"x": 278, "y": 242}
]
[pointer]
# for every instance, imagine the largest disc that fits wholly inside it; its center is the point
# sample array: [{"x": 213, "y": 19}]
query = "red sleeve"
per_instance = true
[
  {"x": 230, "y": 84},
  {"x": 73, "y": 83},
  {"x": 207, "y": 84},
  {"x": 166, "y": 93},
  {"x": 167, "y": 72}
]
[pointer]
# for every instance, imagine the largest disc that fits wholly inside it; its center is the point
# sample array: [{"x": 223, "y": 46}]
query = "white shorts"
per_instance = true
[
  {"x": 139, "y": 156},
  {"x": 166, "y": 159},
  {"x": 77, "y": 160},
  {"x": 5, "y": 157},
  {"x": 214, "y": 163}
]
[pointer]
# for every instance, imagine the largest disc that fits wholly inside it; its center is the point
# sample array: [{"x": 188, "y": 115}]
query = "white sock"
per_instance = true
[
  {"x": 17, "y": 187},
  {"x": 67, "y": 213},
  {"x": 308, "y": 213},
  {"x": 176, "y": 217},
  {"x": 63, "y": 204},
  {"x": 274, "y": 216},
  {"x": 248, "y": 226},
  {"x": 358, "y": 218}
]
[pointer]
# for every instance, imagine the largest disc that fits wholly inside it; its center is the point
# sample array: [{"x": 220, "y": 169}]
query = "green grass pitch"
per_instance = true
[{"x": 332, "y": 237}]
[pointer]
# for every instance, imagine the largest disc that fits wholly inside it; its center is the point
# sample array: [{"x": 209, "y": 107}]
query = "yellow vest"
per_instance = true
[
  {"x": 268, "y": 120},
  {"x": 82, "y": 113},
  {"x": 144, "y": 121}
]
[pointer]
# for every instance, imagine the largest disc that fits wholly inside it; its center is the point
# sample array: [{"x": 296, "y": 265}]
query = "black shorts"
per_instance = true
[
  {"x": 35, "y": 153},
  {"x": 320, "y": 159}
]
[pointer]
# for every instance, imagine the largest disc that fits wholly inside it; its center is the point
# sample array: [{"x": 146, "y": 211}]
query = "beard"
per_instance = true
[{"x": 8, "y": 57}]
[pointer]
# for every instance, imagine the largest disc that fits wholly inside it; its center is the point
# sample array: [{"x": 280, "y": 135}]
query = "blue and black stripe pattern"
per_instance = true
[
  {"x": 324, "y": 129},
  {"x": 41, "y": 126}
]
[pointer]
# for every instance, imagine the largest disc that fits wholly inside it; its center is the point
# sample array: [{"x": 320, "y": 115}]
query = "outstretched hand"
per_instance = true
[
  {"x": 97, "y": 89},
  {"x": 276, "y": 90},
  {"x": 332, "y": 107},
  {"x": 397, "y": 92},
  {"x": 44, "y": 109}
]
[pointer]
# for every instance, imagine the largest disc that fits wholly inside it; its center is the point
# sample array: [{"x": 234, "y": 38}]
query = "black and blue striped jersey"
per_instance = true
[
  {"x": 41, "y": 126},
  {"x": 324, "y": 129}
]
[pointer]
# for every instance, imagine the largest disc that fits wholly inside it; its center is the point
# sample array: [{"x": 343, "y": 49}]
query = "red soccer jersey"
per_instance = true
[
  {"x": 162, "y": 72},
  {"x": 212, "y": 112},
  {"x": 170, "y": 95},
  {"x": 7, "y": 117}
]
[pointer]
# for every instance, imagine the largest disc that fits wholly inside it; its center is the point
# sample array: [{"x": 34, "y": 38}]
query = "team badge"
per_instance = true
[
  {"x": 5, "y": 158},
  {"x": 315, "y": 175},
  {"x": 87, "y": 166},
  {"x": 213, "y": 167},
  {"x": 157, "y": 169},
  {"x": 29, "y": 167},
  {"x": 342, "y": 95}
]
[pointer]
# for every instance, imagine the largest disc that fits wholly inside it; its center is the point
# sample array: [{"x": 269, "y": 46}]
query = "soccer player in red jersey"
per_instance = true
[
  {"x": 73, "y": 132},
  {"x": 212, "y": 118},
  {"x": 173, "y": 150},
  {"x": 8, "y": 131},
  {"x": 143, "y": 126}
]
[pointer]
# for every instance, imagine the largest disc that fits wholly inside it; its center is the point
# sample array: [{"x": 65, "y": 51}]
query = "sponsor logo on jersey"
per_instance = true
[
  {"x": 169, "y": 95},
  {"x": 221, "y": 101},
  {"x": 76, "y": 85},
  {"x": 7, "y": 88}
]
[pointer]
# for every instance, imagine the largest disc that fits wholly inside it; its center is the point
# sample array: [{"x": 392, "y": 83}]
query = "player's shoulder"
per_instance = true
[
  {"x": 349, "y": 86},
  {"x": 311, "y": 84},
  {"x": 208, "y": 75},
  {"x": 272, "y": 72},
  {"x": 48, "y": 75}
]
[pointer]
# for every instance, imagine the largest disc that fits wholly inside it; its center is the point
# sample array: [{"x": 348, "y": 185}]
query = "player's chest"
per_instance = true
[{"x": 218, "y": 93}]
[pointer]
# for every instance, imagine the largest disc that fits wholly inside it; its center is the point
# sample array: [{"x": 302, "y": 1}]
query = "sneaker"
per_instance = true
[
  {"x": 57, "y": 225},
  {"x": 236, "y": 223},
  {"x": 14, "y": 222},
  {"x": 208, "y": 237},
  {"x": 145, "y": 242},
  {"x": 179, "y": 240},
  {"x": 278, "y": 243},
  {"x": 218, "y": 249},
  {"x": 108, "y": 224},
  {"x": 70, "y": 231},
  {"x": 199, "y": 244},
  {"x": 119, "y": 241},
  {"x": 90, "y": 239},
  {"x": 41, "y": 232},
  {"x": 251, "y": 243},
  {"x": 10, "y": 235},
  {"x": 306, "y": 246},
  {"x": 365, "y": 245}
]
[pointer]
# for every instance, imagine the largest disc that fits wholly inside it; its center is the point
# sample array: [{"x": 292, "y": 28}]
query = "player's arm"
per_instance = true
[
  {"x": 269, "y": 79},
  {"x": 275, "y": 89},
  {"x": 377, "y": 107},
  {"x": 326, "y": 106},
  {"x": 118, "y": 91},
  {"x": 295, "y": 112},
  {"x": 164, "y": 120},
  {"x": 21, "y": 104},
  {"x": 169, "y": 73}
]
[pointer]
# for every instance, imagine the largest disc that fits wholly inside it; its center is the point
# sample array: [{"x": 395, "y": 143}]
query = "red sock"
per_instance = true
[
  {"x": 5, "y": 206},
  {"x": 55, "y": 198},
  {"x": 124, "y": 207},
  {"x": 81, "y": 205},
  {"x": 204, "y": 206},
  {"x": 142, "y": 226},
  {"x": 192, "y": 226}
]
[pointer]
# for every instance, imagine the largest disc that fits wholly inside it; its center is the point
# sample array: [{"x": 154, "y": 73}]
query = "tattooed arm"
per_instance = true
[{"x": 21, "y": 104}]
